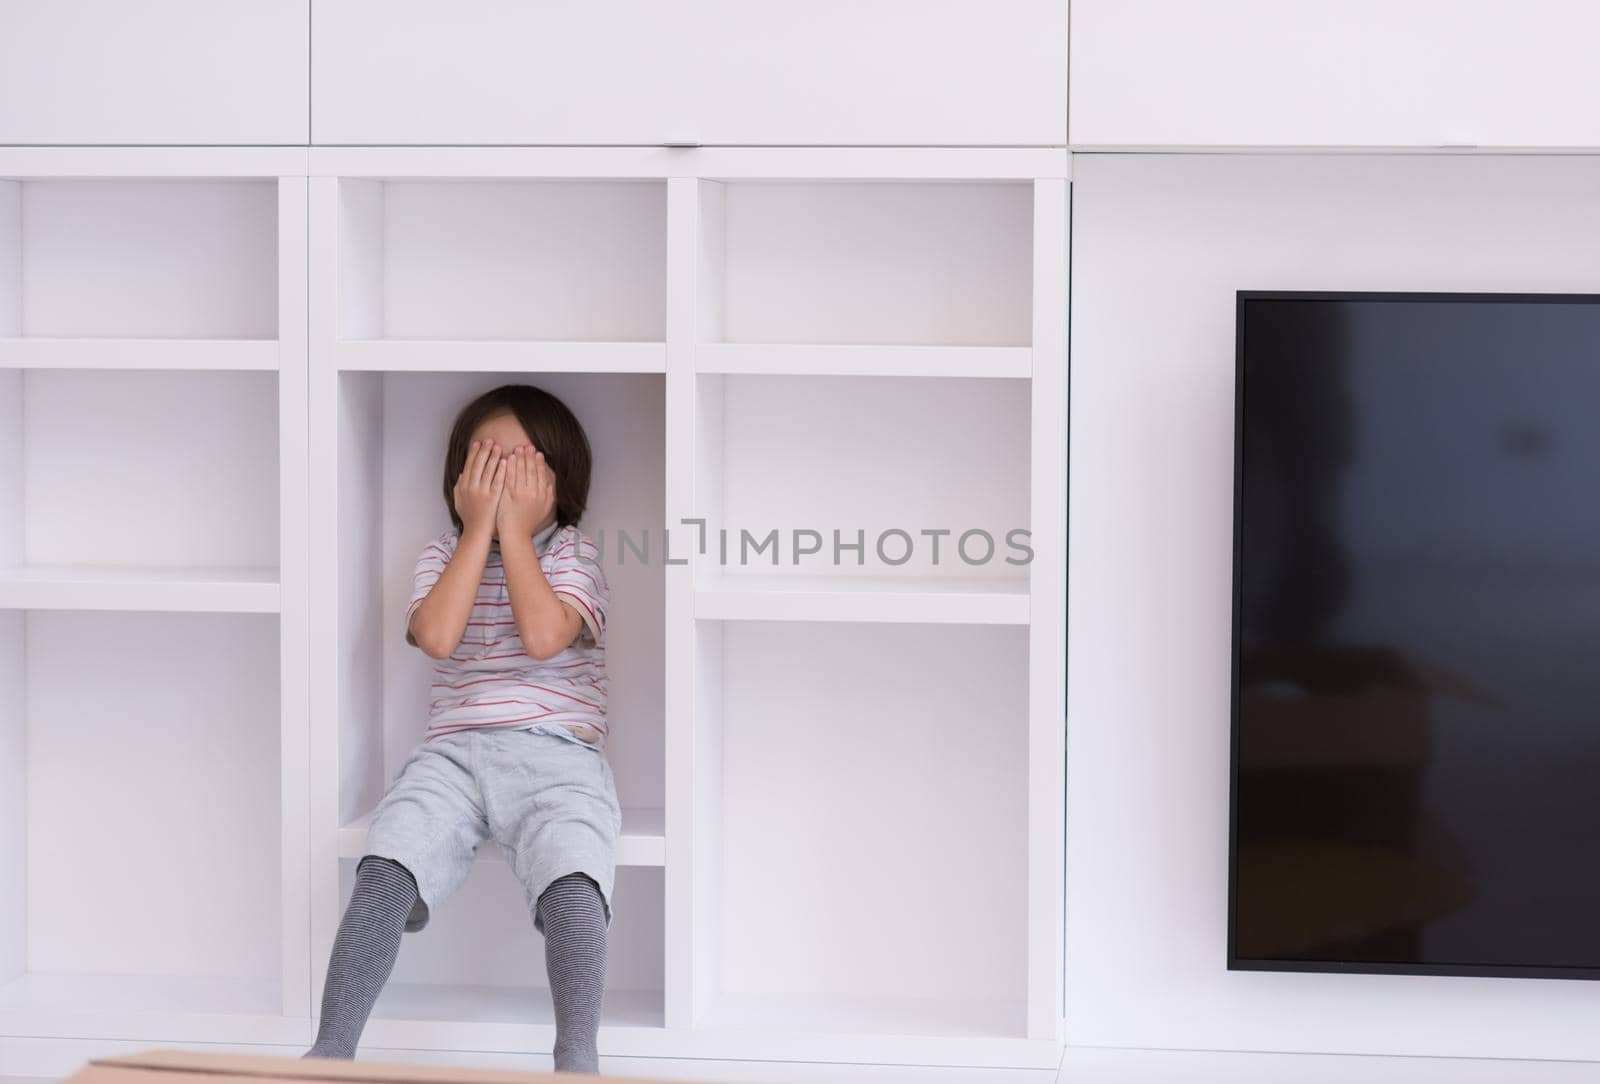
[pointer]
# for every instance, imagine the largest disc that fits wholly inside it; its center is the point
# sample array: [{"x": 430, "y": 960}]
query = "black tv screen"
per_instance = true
[{"x": 1416, "y": 634}]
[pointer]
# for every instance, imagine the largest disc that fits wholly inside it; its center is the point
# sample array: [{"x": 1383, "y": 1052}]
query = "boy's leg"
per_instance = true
[
  {"x": 574, "y": 925},
  {"x": 552, "y": 801},
  {"x": 364, "y": 952},
  {"x": 420, "y": 847}
]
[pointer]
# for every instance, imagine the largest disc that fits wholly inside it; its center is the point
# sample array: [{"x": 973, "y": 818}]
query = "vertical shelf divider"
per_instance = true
[
  {"x": 1047, "y": 587},
  {"x": 706, "y": 469},
  {"x": 323, "y": 632},
  {"x": 11, "y": 263},
  {"x": 13, "y": 627},
  {"x": 681, "y": 942},
  {"x": 294, "y": 553}
]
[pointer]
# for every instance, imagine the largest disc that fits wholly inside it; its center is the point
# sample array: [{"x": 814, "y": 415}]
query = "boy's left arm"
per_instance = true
[{"x": 546, "y": 623}]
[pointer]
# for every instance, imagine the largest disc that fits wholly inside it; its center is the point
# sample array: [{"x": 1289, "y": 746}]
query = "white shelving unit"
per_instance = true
[
  {"x": 153, "y": 599},
  {"x": 842, "y": 782}
]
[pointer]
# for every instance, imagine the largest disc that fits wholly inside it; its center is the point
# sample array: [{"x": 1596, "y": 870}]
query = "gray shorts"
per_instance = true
[{"x": 548, "y": 798}]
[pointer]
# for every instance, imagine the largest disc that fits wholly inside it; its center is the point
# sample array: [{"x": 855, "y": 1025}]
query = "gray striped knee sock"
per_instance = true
[
  {"x": 364, "y": 952},
  {"x": 572, "y": 916}
]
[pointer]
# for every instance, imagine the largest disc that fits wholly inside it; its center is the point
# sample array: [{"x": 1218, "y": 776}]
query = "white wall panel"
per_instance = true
[
  {"x": 1160, "y": 244},
  {"x": 154, "y": 72},
  {"x": 1357, "y": 72}
]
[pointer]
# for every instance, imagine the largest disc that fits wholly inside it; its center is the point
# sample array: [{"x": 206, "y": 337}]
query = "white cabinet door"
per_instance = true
[
  {"x": 481, "y": 72},
  {"x": 154, "y": 72},
  {"x": 946, "y": 72},
  {"x": 707, "y": 71},
  {"x": 1511, "y": 73}
]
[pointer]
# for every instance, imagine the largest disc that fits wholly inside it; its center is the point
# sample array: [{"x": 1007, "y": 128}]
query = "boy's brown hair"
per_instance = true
[{"x": 553, "y": 429}]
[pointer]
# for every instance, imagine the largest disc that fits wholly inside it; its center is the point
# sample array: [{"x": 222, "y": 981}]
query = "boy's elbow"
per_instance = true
[
  {"x": 542, "y": 648},
  {"x": 431, "y": 646},
  {"x": 545, "y": 643}
]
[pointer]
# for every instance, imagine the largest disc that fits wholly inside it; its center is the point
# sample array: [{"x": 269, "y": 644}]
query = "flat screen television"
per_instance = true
[{"x": 1415, "y": 761}]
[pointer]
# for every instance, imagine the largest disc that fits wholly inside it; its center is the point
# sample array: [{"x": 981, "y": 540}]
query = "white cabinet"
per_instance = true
[
  {"x": 1386, "y": 73},
  {"x": 710, "y": 72},
  {"x": 889, "y": 72},
  {"x": 498, "y": 71},
  {"x": 174, "y": 72}
]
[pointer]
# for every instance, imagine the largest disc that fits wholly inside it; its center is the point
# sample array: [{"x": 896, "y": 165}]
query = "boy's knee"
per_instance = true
[
  {"x": 570, "y": 885},
  {"x": 376, "y": 865}
]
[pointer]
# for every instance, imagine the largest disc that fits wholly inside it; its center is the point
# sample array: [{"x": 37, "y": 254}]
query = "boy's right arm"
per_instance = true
[{"x": 440, "y": 619}]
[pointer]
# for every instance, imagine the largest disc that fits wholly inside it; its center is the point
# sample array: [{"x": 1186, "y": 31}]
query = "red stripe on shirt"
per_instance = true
[{"x": 579, "y": 599}]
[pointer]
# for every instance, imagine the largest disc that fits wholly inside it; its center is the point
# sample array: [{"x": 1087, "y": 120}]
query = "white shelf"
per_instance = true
[
  {"x": 937, "y": 766},
  {"x": 830, "y": 1014},
  {"x": 142, "y": 258},
  {"x": 505, "y": 259},
  {"x": 788, "y": 359},
  {"x": 177, "y": 469},
  {"x": 863, "y": 598},
  {"x": 508, "y": 1019},
  {"x": 147, "y": 1007},
  {"x": 884, "y": 461},
  {"x": 138, "y": 353},
  {"x": 139, "y": 587},
  {"x": 183, "y": 798},
  {"x": 510, "y": 356},
  {"x": 37, "y": 991},
  {"x": 529, "y": 1005},
  {"x": 881, "y": 261},
  {"x": 642, "y": 842}
]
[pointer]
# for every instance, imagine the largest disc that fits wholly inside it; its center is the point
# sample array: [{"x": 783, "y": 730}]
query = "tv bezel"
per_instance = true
[{"x": 1235, "y": 961}]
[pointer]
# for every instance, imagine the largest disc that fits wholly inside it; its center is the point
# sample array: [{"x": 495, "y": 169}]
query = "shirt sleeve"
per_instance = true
[
  {"x": 430, "y": 565},
  {"x": 576, "y": 576}
]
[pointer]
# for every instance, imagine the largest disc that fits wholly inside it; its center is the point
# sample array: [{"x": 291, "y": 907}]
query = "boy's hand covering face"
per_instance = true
[
  {"x": 477, "y": 490},
  {"x": 528, "y": 500}
]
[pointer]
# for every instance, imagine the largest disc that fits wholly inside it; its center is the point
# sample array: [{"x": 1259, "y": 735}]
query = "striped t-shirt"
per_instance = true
[{"x": 490, "y": 679}]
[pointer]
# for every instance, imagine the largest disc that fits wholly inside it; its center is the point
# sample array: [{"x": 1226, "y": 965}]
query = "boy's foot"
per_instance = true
[
  {"x": 576, "y": 1057},
  {"x": 328, "y": 1050}
]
